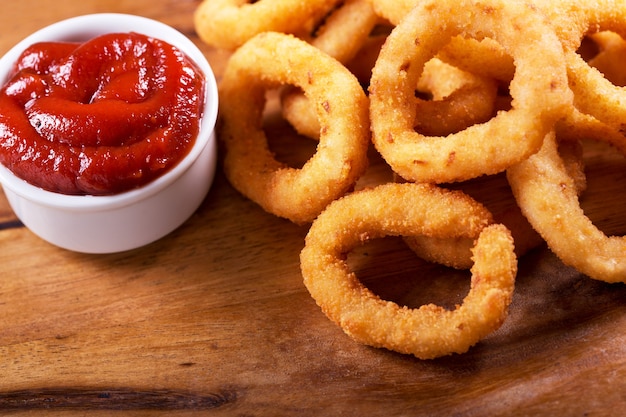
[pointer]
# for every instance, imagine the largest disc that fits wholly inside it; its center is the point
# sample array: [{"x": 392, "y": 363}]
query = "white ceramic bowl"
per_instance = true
[{"x": 106, "y": 224}]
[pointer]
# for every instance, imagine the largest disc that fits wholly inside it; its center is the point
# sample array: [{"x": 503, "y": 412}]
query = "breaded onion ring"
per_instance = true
[
  {"x": 459, "y": 99},
  {"x": 271, "y": 60},
  {"x": 296, "y": 109},
  {"x": 228, "y": 24},
  {"x": 408, "y": 209},
  {"x": 485, "y": 57},
  {"x": 393, "y": 10},
  {"x": 548, "y": 198},
  {"x": 579, "y": 126},
  {"x": 539, "y": 98},
  {"x": 456, "y": 252},
  {"x": 346, "y": 29},
  {"x": 573, "y": 21},
  {"x": 341, "y": 36}
]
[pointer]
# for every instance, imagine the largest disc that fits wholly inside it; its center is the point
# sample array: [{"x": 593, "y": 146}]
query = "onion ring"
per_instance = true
[
  {"x": 346, "y": 29},
  {"x": 456, "y": 252},
  {"x": 507, "y": 138},
  {"x": 573, "y": 21},
  {"x": 228, "y": 24},
  {"x": 459, "y": 99},
  {"x": 408, "y": 209},
  {"x": 296, "y": 109},
  {"x": 578, "y": 126},
  {"x": 268, "y": 61},
  {"x": 547, "y": 196},
  {"x": 341, "y": 36},
  {"x": 485, "y": 57}
]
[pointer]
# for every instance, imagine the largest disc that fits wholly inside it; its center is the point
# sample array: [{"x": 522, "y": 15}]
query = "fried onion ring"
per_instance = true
[
  {"x": 548, "y": 198},
  {"x": 485, "y": 57},
  {"x": 459, "y": 99},
  {"x": 297, "y": 110},
  {"x": 578, "y": 126},
  {"x": 408, "y": 209},
  {"x": 456, "y": 252},
  {"x": 341, "y": 36},
  {"x": 228, "y": 24},
  {"x": 573, "y": 21},
  {"x": 269, "y": 61},
  {"x": 346, "y": 29},
  {"x": 486, "y": 148}
]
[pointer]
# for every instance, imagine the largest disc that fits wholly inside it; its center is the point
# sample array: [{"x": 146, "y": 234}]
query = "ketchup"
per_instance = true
[{"x": 101, "y": 117}]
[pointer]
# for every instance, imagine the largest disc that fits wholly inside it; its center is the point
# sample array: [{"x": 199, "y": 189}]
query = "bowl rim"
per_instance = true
[{"x": 83, "y": 28}]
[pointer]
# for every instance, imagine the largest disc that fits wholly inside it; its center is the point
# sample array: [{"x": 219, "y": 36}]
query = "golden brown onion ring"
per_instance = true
[
  {"x": 271, "y": 60},
  {"x": 548, "y": 198},
  {"x": 494, "y": 193},
  {"x": 486, "y": 148},
  {"x": 346, "y": 29},
  {"x": 409, "y": 209},
  {"x": 459, "y": 99},
  {"x": 341, "y": 36},
  {"x": 573, "y": 21},
  {"x": 485, "y": 57},
  {"x": 228, "y": 24}
]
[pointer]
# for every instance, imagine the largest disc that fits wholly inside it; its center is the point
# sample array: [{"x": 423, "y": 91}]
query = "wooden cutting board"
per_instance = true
[{"x": 214, "y": 318}]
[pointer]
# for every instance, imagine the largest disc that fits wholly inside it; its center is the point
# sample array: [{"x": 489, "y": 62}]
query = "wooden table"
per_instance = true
[{"x": 214, "y": 318}]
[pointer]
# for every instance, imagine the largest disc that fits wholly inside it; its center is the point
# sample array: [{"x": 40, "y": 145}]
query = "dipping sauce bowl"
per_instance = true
[{"x": 134, "y": 218}]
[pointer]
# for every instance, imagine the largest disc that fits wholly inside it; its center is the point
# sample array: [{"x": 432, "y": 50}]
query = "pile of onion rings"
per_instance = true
[{"x": 458, "y": 98}]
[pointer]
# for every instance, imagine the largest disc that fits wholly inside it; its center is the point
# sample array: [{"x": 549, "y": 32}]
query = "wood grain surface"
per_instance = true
[{"x": 214, "y": 318}]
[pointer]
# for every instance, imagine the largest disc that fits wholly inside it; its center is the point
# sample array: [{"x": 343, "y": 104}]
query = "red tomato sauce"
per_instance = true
[{"x": 101, "y": 117}]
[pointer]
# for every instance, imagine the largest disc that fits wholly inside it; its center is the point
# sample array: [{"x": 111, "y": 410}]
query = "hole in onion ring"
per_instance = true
[
  {"x": 607, "y": 54},
  {"x": 288, "y": 146},
  {"x": 408, "y": 280},
  {"x": 588, "y": 48}
]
